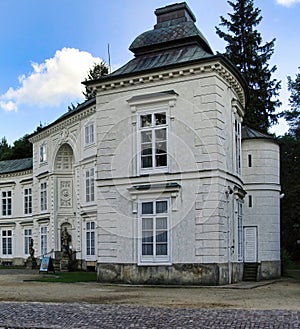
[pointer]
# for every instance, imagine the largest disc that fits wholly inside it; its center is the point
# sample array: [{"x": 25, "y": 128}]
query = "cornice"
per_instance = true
[
  {"x": 16, "y": 174},
  {"x": 169, "y": 74},
  {"x": 61, "y": 125}
]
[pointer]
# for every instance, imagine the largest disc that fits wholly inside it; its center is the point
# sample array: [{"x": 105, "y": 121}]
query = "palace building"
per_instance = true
[{"x": 155, "y": 179}]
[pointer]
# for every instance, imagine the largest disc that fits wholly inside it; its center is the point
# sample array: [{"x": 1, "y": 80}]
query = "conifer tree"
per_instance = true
[
  {"x": 96, "y": 72},
  {"x": 246, "y": 50}
]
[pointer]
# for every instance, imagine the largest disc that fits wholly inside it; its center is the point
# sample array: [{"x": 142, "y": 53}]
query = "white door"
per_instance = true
[{"x": 250, "y": 244}]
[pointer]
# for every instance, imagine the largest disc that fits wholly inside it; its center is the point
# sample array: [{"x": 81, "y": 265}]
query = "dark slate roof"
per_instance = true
[
  {"x": 174, "y": 40},
  {"x": 249, "y": 133},
  {"x": 10, "y": 166},
  {"x": 78, "y": 108}
]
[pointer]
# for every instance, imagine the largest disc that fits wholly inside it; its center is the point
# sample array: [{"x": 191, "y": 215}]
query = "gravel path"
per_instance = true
[{"x": 60, "y": 315}]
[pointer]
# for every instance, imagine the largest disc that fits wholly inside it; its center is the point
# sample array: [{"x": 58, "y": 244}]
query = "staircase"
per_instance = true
[{"x": 250, "y": 272}]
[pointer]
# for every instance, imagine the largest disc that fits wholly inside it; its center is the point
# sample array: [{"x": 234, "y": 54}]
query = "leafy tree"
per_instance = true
[
  {"x": 5, "y": 150},
  {"x": 290, "y": 168},
  {"x": 96, "y": 72},
  {"x": 22, "y": 148},
  {"x": 245, "y": 50}
]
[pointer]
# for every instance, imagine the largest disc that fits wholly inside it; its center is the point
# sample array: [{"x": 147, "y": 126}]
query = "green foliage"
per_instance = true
[
  {"x": 95, "y": 73},
  {"x": 290, "y": 185},
  {"x": 245, "y": 50},
  {"x": 293, "y": 115},
  {"x": 5, "y": 150}
]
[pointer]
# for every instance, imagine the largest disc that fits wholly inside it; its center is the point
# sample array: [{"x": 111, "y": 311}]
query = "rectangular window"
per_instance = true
[
  {"x": 90, "y": 185},
  {"x": 7, "y": 242},
  {"x": 154, "y": 231},
  {"x": 250, "y": 201},
  {"x": 43, "y": 196},
  {"x": 6, "y": 203},
  {"x": 89, "y": 134},
  {"x": 43, "y": 153},
  {"x": 249, "y": 160},
  {"x": 90, "y": 238},
  {"x": 27, "y": 240},
  {"x": 237, "y": 128},
  {"x": 240, "y": 231},
  {"x": 27, "y": 201},
  {"x": 153, "y": 141},
  {"x": 44, "y": 240}
]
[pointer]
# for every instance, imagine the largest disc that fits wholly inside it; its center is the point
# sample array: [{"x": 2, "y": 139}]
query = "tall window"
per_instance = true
[
  {"x": 89, "y": 134},
  {"x": 43, "y": 153},
  {"x": 154, "y": 222},
  {"x": 7, "y": 242},
  {"x": 240, "y": 231},
  {"x": 27, "y": 201},
  {"x": 43, "y": 240},
  {"x": 43, "y": 196},
  {"x": 6, "y": 203},
  {"x": 90, "y": 239},
  {"x": 27, "y": 240},
  {"x": 153, "y": 140},
  {"x": 237, "y": 133},
  {"x": 90, "y": 185}
]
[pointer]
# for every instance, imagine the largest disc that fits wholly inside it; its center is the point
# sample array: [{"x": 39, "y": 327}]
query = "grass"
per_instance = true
[{"x": 68, "y": 277}]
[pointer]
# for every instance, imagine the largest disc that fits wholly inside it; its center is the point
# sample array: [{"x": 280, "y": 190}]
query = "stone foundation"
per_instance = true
[
  {"x": 176, "y": 274},
  {"x": 270, "y": 270}
]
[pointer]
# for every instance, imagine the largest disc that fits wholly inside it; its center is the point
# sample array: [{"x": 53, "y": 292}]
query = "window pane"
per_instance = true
[
  {"x": 146, "y": 149},
  {"x": 147, "y": 249},
  {"x": 146, "y": 136},
  {"x": 147, "y": 237},
  {"x": 161, "y": 223},
  {"x": 160, "y": 119},
  {"x": 161, "y": 160},
  {"x": 161, "y": 250},
  {"x": 162, "y": 237},
  {"x": 147, "y": 208},
  {"x": 161, "y": 207},
  {"x": 146, "y": 120},
  {"x": 160, "y": 134}
]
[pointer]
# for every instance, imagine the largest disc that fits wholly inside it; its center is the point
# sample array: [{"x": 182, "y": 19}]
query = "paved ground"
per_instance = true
[
  {"x": 45, "y": 315},
  {"x": 25, "y": 304}
]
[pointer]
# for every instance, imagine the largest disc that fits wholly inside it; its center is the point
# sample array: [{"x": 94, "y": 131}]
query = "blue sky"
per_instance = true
[{"x": 47, "y": 47}]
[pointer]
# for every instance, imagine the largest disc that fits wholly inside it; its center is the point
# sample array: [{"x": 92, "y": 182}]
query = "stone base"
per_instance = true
[
  {"x": 176, "y": 274},
  {"x": 270, "y": 270}
]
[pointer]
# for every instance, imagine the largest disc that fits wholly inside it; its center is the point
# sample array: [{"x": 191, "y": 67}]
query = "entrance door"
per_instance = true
[{"x": 250, "y": 244}]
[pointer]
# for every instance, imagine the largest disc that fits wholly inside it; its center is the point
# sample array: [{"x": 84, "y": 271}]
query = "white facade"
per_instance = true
[{"x": 151, "y": 179}]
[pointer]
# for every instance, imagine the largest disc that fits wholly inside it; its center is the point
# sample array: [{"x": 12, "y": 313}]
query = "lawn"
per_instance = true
[{"x": 68, "y": 277}]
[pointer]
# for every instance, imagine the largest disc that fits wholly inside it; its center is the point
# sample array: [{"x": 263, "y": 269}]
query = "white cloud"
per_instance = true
[
  {"x": 51, "y": 83},
  {"x": 287, "y": 3}
]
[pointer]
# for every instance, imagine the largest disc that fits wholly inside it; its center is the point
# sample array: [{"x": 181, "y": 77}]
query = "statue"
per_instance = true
[
  {"x": 31, "y": 257},
  {"x": 65, "y": 242}
]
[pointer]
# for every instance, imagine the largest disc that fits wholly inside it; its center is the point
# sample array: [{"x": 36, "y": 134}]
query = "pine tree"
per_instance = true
[
  {"x": 245, "y": 50},
  {"x": 292, "y": 116},
  {"x": 96, "y": 72}
]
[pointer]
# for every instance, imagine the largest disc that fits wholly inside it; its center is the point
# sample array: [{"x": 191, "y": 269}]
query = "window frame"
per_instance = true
[
  {"x": 43, "y": 240},
  {"x": 240, "y": 230},
  {"x": 155, "y": 258},
  {"x": 90, "y": 185},
  {"x": 27, "y": 240},
  {"x": 238, "y": 145},
  {"x": 90, "y": 240},
  {"x": 43, "y": 153},
  {"x": 7, "y": 243},
  {"x": 43, "y": 196},
  {"x": 6, "y": 203},
  {"x": 27, "y": 200},
  {"x": 89, "y": 134},
  {"x": 153, "y": 129}
]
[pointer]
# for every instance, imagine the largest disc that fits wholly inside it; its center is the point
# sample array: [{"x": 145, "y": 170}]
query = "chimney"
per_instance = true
[{"x": 173, "y": 14}]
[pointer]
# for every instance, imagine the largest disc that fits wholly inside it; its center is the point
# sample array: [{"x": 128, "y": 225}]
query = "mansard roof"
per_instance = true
[{"x": 10, "y": 166}]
